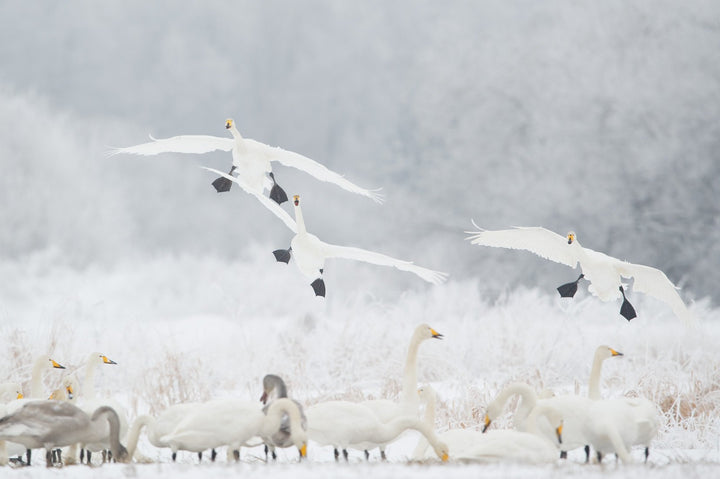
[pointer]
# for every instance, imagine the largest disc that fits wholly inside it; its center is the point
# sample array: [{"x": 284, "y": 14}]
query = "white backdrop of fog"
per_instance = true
[{"x": 602, "y": 117}]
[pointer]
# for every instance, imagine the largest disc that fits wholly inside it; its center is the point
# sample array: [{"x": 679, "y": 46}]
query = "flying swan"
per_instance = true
[
  {"x": 251, "y": 160},
  {"x": 604, "y": 272},
  {"x": 310, "y": 254}
]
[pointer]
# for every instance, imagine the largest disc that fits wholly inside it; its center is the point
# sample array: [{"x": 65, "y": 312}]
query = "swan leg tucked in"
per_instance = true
[
  {"x": 277, "y": 194},
  {"x": 283, "y": 255},
  {"x": 568, "y": 290},
  {"x": 222, "y": 184},
  {"x": 626, "y": 310}
]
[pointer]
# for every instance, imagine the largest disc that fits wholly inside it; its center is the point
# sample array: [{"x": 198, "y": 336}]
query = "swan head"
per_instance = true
[
  {"x": 604, "y": 352},
  {"x": 270, "y": 383},
  {"x": 426, "y": 394},
  {"x": 443, "y": 451},
  {"x": 424, "y": 331},
  {"x": 571, "y": 237},
  {"x": 296, "y": 200},
  {"x": 229, "y": 123}
]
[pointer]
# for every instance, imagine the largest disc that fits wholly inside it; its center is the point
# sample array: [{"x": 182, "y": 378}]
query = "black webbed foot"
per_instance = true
[
  {"x": 626, "y": 310},
  {"x": 568, "y": 290},
  {"x": 319, "y": 287},
  {"x": 222, "y": 184},
  {"x": 282, "y": 255},
  {"x": 277, "y": 194}
]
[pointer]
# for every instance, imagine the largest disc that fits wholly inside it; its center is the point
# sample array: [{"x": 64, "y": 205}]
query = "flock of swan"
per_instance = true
[
  {"x": 74, "y": 423},
  {"x": 252, "y": 171}
]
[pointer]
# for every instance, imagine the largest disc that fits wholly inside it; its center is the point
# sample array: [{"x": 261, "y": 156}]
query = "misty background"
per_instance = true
[{"x": 600, "y": 117}]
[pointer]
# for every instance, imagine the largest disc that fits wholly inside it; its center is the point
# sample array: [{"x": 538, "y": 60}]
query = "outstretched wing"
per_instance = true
[
  {"x": 654, "y": 282},
  {"x": 178, "y": 144},
  {"x": 311, "y": 167},
  {"x": 348, "y": 252},
  {"x": 540, "y": 241},
  {"x": 267, "y": 202}
]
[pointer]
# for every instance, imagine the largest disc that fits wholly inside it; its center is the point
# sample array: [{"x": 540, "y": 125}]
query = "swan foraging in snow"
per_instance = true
[
  {"x": 51, "y": 424},
  {"x": 283, "y": 436},
  {"x": 604, "y": 272},
  {"x": 231, "y": 422},
  {"x": 310, "y": 254},
  {"x": 251, "y": 160},
  {"x": 348, "y": 425},
  {"x": 386, "y": 409}
]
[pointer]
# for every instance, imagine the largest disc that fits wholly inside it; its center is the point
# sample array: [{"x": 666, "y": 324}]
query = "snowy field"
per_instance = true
[{"x": 168, "y": 351}]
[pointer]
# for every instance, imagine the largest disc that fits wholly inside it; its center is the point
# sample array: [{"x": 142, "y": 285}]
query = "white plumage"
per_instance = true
[{"x": 604, "y": 272}]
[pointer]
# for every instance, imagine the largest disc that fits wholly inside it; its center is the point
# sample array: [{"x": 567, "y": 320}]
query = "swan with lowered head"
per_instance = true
[
  {"x": 573, "y": 434},
  {"x": 52, "y": 424},
  {"x": 310, "y": 254},
  {"x": 283, "y": 436},
  {"x": 386, "y": 409},
  {"x": 231, "y": 422},
  {"x": 251, "y": 159},
  {"x": 347, "y": 425},
  {"x": 604, "y": 272}
]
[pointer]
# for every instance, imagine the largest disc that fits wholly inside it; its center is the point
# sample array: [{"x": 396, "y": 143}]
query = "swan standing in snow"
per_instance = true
[
  {"x": 283, "y": 436},
  {"x": 231, "y": 422},
  {"x": 347, "y": 425},
  {"x": 89, "y": 402},
  {"x": 310, "y": 254},
  {"x": 37, "y": 391},
  {"x": 386, "y": 409},
  {"x": 52, "y": 424},
  {"x": 604, "y": 272},
  {"x": 251, "y": 159},
  {"x": 163, "y": 424}
]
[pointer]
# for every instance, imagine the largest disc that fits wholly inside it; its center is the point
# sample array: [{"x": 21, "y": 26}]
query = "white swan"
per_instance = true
[
  {"x": 230, "y": 422},
  {"x": 10, "y": 391},
  {"x": 473, "y": 445},
  {"x": 251, "y": 159},
  {"x": 52, "y": 424},
  {"x": 283, "y": 436},
  {"x": 347, "y": 425},
  {"x": 604, "y": 272},
  {"x": 573, "y": 434},
  {"x": 89, "y": 402},
  {"x": 310, "y": 254},
  {"x": 163, "y": 424},
  {"x": 386, "y": 409}
]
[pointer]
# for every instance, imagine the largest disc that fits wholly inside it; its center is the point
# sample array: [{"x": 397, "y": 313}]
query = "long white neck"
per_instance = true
[
  {"x": 527, "y": 395},
  {"x": 109, "y": 414},
  {"x": 389, "y": 431},
  {"x": 89, "y": 382},
  {"x": 36, "y": 384},
  {"x": 275, "y": 413},
  {"x": 554, "y": 417},
  {"x": 299, "y": 220},
  {"x": 134, "y": 433},
  {"x": 594, "y": 383},
  {"x": 409, "y": 395},
  {"x": 430, "y": 400}
]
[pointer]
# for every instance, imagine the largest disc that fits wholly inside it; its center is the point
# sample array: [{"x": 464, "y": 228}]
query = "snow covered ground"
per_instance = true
[{"x": 191, "y": 329}]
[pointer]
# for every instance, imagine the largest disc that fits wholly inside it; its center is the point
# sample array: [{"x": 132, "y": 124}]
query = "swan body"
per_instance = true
[
  {"x": 348, "y": 425},
  {"x": 230, "y": 422},
  {"x": 251, "y": 159},
  {"x": 604, "y": 272},
  {"x": 310, "y": 253},
  {"x": 52, "y": 424}
]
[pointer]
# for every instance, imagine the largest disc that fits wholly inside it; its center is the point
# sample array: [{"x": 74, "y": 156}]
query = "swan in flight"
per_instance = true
[
  {"x": 310, "y": 254},
  {"x": 53, "y": 424},
  {"x": 604, "y": 272},
  {"x": 386, "y": 409},
  {"x": 251, "y": 161}
]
